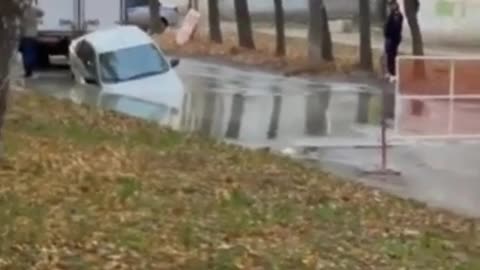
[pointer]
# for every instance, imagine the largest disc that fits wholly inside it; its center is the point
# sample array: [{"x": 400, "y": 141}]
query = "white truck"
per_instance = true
[{"x": 65, "y": 20}]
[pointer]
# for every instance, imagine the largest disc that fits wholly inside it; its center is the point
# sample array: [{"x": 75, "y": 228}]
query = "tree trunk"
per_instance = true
[
  {"x": 366, "y": 61},
  {"x": 244, "y": 24},
  {"x": 411, "y": 11},
  {"x": 320, "y": 47},
  {"x": 327, "y": 45},
  {"x": 280, "y": 28},
  {"x": 381, "y": 11},
  {"x": 4, "y": 93},
  {"x": 156, "y": 24},
  {"x": 193, "y": 4},
  {"x": 10, "y": 12},
  {"x": 214, "y": 21}
]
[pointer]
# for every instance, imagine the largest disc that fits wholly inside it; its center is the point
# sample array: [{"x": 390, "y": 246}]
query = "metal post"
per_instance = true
[
  {"x": 384, "y": 130},
  {"x": 451, "y": 100},
  {"x": 384, "y": 171}
]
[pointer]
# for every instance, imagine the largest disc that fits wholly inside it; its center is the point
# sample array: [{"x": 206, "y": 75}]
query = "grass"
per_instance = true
[{"x": 88, "y": 189}]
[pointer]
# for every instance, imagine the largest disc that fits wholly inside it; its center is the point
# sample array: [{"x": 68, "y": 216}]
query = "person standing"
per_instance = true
[
  {"x": 393, "y": 37},
  {"x": 28, "y": 38}
]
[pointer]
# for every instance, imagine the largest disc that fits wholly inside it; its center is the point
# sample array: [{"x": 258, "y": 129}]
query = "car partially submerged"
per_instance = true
[{"x": 125, "y": 61}]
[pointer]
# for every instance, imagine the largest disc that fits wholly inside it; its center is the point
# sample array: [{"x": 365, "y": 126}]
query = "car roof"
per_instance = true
[{"x": 116, "y": 38}]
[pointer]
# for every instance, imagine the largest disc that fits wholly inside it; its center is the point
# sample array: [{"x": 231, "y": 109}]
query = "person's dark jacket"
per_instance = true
[{"x": 393, "y": 27}]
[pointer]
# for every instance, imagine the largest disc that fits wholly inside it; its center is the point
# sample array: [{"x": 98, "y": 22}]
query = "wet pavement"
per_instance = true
[
  {"x": 241, "y": 106},
  {"x": 336, "y": 122}
]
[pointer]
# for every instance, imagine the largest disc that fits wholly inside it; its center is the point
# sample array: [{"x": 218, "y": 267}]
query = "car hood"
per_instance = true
[{"x": 165, "y": 89}]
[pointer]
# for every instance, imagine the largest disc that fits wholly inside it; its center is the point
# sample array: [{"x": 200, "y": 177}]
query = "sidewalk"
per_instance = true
[
  {"x": 352, "y": 39},
  {"x": 377, "y": 42}
]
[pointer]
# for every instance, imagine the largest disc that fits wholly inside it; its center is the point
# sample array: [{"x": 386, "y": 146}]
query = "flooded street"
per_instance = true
[
  {"x": 240, "y": 106},
  {"x": 337, "y": 122}
]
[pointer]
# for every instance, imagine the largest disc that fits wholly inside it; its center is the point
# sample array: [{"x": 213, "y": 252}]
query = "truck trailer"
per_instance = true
[{"x": 65, "y": 20}]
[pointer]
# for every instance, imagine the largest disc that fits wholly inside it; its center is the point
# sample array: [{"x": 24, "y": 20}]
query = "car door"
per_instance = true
[{"x": 84, "y": 64}]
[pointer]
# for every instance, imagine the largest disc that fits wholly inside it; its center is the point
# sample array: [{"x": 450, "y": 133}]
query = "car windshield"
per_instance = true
[{"x": 132, "y": 63}]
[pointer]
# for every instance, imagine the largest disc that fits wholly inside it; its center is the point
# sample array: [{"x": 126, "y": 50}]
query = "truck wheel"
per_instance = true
[
  {"x": 165, "y": 21},
  {"x": 43, "y": 59}
]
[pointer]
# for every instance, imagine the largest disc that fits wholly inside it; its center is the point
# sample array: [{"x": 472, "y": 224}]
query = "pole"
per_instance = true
[
  {"x": 384, "y": 171},
  {"x": 384, "y": 130}
]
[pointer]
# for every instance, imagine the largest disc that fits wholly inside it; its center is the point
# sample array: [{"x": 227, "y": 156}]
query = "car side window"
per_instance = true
[{"x": 86, "y": 54}]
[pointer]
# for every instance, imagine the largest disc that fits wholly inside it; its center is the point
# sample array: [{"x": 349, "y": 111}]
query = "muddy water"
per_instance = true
[{"x": 245, "y": 107}]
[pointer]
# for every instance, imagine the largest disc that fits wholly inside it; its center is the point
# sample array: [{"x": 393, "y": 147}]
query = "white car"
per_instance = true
[
  {"x": 138, "y": 13},
  {"x": 125, "y": 61}
]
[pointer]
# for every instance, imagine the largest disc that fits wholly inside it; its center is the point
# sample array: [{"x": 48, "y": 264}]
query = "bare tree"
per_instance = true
[
  {"x": 280, "y": 28},
  {"x": 381, "y": 10},
  {"x": 320, "y": 46},
  {"x": 157, "y": 26},
  {"x": 214, "y": 21},
  {"x": 366, "y": 61},
  {"x": 244, "y": 24},
  {"x": 11, "y": 12},
  {"x": 411, "y": 11}
]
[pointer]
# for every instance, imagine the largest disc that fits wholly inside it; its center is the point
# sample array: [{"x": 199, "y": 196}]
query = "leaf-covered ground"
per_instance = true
[
  {"x": 90, "y": 190},
  {"x": 293, "y": 63}
]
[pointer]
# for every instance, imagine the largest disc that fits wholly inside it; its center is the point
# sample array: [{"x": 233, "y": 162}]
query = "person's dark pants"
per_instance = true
[
  {"x": 29, "y": 51},
  {"x": 391, "y": 51}
]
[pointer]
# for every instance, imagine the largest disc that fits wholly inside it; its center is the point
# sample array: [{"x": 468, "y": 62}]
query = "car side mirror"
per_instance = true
[{"x": 174, "y": 62}]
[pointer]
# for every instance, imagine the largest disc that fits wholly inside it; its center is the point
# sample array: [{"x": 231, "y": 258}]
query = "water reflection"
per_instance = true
[
  {"x": 236, "y": 115},
  {"x": 208, "y": 114},
  {"x": 242, "y": 106},
  {"x": 364, "y": 99},
  {"x": 275, "y": 118},
  {"x": 316, "y": 111}
]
